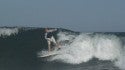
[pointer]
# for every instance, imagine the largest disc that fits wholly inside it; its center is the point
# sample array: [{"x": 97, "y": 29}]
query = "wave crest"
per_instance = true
[{"x": 8, "y": 31}]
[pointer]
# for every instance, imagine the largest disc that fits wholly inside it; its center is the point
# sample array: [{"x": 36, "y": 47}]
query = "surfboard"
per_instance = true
[{"x": 48, "y": 55}]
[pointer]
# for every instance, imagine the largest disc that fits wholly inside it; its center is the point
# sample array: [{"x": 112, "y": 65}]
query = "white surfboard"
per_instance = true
[{"x": 48, "y": 54}]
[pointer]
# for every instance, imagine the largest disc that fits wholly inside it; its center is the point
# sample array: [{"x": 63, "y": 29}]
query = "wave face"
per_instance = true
[{"x": 8, "y": 31}]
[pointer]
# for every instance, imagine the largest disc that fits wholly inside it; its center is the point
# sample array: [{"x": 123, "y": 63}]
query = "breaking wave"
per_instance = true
[
  {"x": 84, "y": 47},
  {"x": 8, "y": 31},
  {"x": 76, "y": 49}
]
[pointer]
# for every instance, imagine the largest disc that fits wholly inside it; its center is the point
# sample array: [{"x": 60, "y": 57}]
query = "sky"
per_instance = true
[{"x": 77, "y": 15}]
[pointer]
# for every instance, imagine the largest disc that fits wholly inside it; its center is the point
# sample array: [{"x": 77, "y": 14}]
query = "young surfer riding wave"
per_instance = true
[{"x": 50, "y": 38}]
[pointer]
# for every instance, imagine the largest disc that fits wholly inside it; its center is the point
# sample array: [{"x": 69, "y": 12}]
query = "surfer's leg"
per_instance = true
[
  {"x": 49, "y": 48},
  {"x": 54, "y": 41}
]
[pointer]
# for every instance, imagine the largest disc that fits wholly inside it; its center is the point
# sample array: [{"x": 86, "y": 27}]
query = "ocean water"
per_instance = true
[{"x": 21, "y": 48}]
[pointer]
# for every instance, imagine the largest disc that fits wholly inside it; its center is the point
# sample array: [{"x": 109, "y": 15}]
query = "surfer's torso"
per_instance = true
[{"x": 48, "y": 34}]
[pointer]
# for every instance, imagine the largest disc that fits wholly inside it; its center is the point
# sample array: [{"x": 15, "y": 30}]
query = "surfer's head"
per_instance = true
[{"x": 46, "y": 29}]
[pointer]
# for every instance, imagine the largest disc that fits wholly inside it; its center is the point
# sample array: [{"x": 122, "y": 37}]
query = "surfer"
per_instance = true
[{"x": 50, "y": 38}]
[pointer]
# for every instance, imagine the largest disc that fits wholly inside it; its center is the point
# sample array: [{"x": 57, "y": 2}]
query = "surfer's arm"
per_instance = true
[{"x": 52, "y": 30}]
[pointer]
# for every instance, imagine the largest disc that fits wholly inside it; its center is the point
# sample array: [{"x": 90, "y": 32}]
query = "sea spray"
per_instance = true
[{"x": 107, "y": 47}]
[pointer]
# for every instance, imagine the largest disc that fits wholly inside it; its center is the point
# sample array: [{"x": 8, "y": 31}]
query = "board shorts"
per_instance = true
[{"x": 52, "y": 39}]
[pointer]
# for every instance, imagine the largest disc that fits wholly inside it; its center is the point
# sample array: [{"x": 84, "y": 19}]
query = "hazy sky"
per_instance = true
[{"x": 77, "y": 15}]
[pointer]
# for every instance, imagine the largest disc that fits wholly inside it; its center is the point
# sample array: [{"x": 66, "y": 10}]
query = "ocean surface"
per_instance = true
[{"x": 21, "y": 48}]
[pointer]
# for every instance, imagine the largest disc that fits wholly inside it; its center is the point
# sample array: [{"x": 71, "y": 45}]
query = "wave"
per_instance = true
[
  {"x": 8, "y": 31},
  {"x": 79, "y": 48}
]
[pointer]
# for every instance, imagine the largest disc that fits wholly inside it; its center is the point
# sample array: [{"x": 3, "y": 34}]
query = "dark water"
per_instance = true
[{"x": 19, "y": 52}]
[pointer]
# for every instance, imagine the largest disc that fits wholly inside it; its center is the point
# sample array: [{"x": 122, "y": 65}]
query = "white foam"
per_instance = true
[
  {"x": 84, "y": 47},
  {"x": 121, "y": 60},
  {"x": 107, "y": 47},
  {"x": 8, "y": 31}
]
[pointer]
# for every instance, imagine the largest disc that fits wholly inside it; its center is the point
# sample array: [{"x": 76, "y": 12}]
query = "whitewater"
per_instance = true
[
  {"x": 81, "y": 48},
  {"x": 8, "y": 31}
]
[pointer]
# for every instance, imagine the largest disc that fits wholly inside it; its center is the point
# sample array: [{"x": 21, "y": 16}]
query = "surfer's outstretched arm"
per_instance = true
[{"x": 52, "y": 30}]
